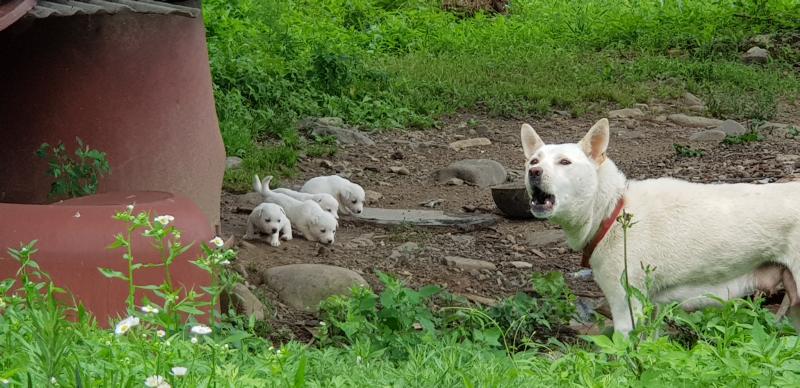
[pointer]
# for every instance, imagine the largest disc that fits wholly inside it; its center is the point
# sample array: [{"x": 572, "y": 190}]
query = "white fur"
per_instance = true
[
  {"x": 307, "y": 217},
  {"x": 700, "y": 238},
  {"x": 325, "y": 200},
  {"x": 269, "y": 219},
  {"x": 349, "y": 194}
]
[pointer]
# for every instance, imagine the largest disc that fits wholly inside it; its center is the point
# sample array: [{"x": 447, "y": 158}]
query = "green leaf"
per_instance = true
[{"x": 111, "y": 274}]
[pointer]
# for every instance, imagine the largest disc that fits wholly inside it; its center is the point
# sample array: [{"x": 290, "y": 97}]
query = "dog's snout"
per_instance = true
[
  {"x": 535, "y": 172},
  {"x": 274, "y": 230},
  {"x": 358, "y": 211}
]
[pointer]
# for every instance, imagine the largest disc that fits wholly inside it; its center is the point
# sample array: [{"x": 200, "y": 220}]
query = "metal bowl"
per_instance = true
[{"x": 512, "y": 199}]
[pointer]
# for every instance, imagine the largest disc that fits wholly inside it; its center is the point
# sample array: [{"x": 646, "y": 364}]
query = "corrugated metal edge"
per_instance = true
[
  {"x": 89, "y": 7},
  {"x": 11, "y": 12}
]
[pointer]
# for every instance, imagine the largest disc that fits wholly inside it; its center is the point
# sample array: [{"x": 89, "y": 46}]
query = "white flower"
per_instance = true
[
  {"x": 130, "y": 208},
  {"x": 217, "y": 242},
  {"x": 126, "y": 324},
  {"x": 201, "y": 330},
  {"x": 164, "y": 220},
  {"x": 167, "y": 343},
  {"x": 53, "y": 380},
  {"x": 4, "y": 381},
  {"x": 224, "y": 262},
  {"x": 161, "y": 333},
  {"x": 194, "y": 340},
  {"x": 156, "y": 382},
  {"x": 149, "y": 310},
  {"x": 322, "y": 323},
  {"x": 2, "y": 303},
  {"x": 179, "y": 371}
]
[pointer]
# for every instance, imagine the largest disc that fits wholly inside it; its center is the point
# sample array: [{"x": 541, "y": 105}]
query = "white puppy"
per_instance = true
[
  {"x": 349, "y": 194},
  {"x": 307, "y": 217},
  {"x": 700, "y": 238},
  {"x": 269, "y": 219},
  {"x": 325, "y": 201}
]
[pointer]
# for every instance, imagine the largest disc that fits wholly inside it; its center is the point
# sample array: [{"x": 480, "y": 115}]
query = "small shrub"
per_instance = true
[
  {"x": 76, "y": 177},
  {"x": 687, "y": 151},
  {"x": 749, "y": 137}
]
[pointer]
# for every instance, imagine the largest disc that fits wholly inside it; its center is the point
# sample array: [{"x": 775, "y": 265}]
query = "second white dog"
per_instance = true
[
  {"x": 351, "y": 196},
  {"x": 307, "y": 217},
  {"x": 270, "y": 219},
  {"x": 325, "y": 200}
]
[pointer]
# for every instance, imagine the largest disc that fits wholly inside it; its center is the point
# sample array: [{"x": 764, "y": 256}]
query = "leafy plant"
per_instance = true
[
  {"x": 687, "y": 151},
  {"x": 749, "y": 137},
  {"x": 74, "y": 177}
]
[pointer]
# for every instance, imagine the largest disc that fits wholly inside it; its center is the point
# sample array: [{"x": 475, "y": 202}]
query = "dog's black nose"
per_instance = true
[
  {"x": 274, "y": 230},
  {"x": 535, "y": 172}
]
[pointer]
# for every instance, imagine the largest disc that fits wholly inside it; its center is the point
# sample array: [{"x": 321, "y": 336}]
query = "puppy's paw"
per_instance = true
[
  {"x": 275, "y": 243},
  {"x": 249, "y": 237},
  {"x": 286, "y": 237}
]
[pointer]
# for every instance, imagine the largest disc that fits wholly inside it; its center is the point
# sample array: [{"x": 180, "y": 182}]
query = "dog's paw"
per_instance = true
[
  {"x": 275, "y": 243},
  {"x": 286, "y": 237},
  {"x": 248, "y": 237}
]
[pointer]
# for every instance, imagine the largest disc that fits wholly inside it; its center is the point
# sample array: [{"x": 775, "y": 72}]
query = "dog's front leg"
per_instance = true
[
  {"x": 275, "y": 239},
  {"x": 609, "y": 281},
  {"x": 250, "y": 233}
]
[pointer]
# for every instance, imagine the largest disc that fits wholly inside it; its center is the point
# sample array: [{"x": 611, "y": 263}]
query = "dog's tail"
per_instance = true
[{"x": 262, "y": 186}]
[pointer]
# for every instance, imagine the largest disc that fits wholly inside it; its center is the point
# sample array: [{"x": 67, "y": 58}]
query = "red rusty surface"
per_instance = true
[
  {"x": 73, "y": 237},
  {"x": 137, "y": 86},
  {"x": 13, "y": 10}
]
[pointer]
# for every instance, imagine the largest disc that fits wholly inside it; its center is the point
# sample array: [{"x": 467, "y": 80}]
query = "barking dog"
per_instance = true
[
  {"x": 325, "y": 200},
  {"x": 269, "y": 219},
  {"x": 718, "y": 239},
  {"x": 349, "y": 194},
  {"x": 307, "y": 216}
]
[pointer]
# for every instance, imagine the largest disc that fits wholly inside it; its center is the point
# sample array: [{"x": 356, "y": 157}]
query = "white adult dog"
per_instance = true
[
  {"x": 307, "y": 217},
  {"x": 269, "y": 219},
  {"x": 350, "y": 195},
  {"x": 325, "y": 200},
  {"x": 720, "y": 239}
]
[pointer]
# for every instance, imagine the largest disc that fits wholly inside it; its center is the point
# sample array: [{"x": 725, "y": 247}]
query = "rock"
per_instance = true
[
  {"x": 694, "y": 121},
  {"x": 249, "y": 200},
  {"x": 521, "y": 264},
  {"x": 247, "y": 303},
  {"x": 481, "y": 172},
  {"x": 326, "y": 163},
  {"x": 545, "y": 237},
  {"x": 480, "y": 299},
  {"x": 467, "y": 143},
  {"x": 584, "y": 274},
  {"x": 755, "y": 55},
  {"x": 732, "y": 128},
  {"x": 690, "y": 99},
  {"x": 463, "y": 239},
  {"x": 708, "y": 136},
  {"x": 467, "y": 264},
  {"x": 627, "y": 113},
  {"x": 373, "y": 196},
  {"x": 334, "y": 126},
  {"x": 399, "y": 170},
  {"x": 787, "y": 159},
  {"x": 432, "y": 203},
  {"x": 233, "y": 162},
  {"x": 408, "y": 248},
  {"x": 362, "y": 241},
  {"x": 418, "y": 217},
  {"x": 642, "y": 107},
  {"x": 454, "y": 182},
  {"x": 304, "y": 286},
  {"x": 397, "y": 155},
  {"x": 762, "y": 40}
]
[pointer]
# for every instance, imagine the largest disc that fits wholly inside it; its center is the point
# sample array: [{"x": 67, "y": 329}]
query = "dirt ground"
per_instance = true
[{"x": 642, "y": 148}]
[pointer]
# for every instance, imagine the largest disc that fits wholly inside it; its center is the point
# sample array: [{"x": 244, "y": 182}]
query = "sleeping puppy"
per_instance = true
[
  {"x": 269, "y": 219},
  {"x": 349, "y": 194},
  {"x": 307, "y": 217},
  {"x": 325, "y": 201}
]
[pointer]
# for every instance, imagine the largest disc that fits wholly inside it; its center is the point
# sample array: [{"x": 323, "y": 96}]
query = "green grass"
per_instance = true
[{"x": 400, "y": 64}]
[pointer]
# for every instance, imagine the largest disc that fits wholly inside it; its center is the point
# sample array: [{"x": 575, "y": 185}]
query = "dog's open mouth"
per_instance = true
[{"x": 541, "y": 201}]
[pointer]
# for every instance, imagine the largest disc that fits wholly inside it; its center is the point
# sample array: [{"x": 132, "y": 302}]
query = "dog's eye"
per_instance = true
[
  {"x": 267, "y": 220},
  {"x": 323, "y": 230},
  {"x": 565, "y": 162},
  {"x": 534, "y": 161},
  {"x": 355, "y": 201}
]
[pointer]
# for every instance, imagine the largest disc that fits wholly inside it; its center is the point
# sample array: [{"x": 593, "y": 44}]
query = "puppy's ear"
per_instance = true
[
  {"x": 530, "y": 140},
  {"x": 282, "y": 212},
  {"x": 595, "y": 143}
]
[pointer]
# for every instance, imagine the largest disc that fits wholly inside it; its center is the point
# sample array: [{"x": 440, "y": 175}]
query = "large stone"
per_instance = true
[
  {"x": 249, "y": 201},
  {"x": 691, "y": 100},
  {"x": 467, "y": 143},
  {"x": 464, "y": 263},
  {"x": 708, "y": 136},
  {"x": 373, "y": 196},
  {"x": 545, "y": 237},
  {"x": 423, "y": 218},
  {"x": 304, "y": 286},
  {"x": 732, "y": 128},
  {"x": 233, "y": 162},
  {"x": 334, "y": 126},
  {"x": 627, "y": 113},
  {"x": 480, "y": 172},
  {"x": 247, "y": 303},
  {"x": 694, "y": 121},
  {"x": 755, "y": 55}
]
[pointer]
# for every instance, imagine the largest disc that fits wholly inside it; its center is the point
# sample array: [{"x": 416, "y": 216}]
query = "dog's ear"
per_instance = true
[
  {"x": 282, "y": 212},
  {"x": 595, "y": 143},
  {"x": 530, "y": 140},
  {"x": 256, "y": 184}
]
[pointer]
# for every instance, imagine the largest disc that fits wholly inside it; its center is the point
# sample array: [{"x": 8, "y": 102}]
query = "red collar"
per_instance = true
[{"x": 604, "y": 228}]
